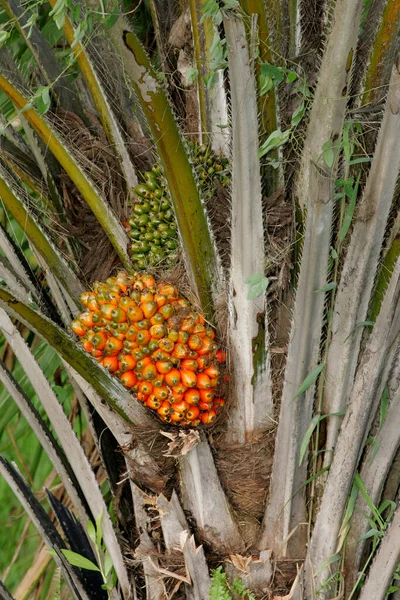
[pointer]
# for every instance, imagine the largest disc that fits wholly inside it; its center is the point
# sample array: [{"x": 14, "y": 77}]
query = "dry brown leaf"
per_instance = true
[
  {"x": 241, "y": 563},
  {"x": 181, "y": 442}
]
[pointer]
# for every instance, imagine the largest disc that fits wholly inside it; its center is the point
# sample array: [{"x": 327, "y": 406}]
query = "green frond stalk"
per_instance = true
[
  {"x": 101, "y": 210},
  {"x": 100, "y": 100},
  {"x": 200, "y": 66},
  {"x": 384, "y": 276},
  {"x": 108, "y": 387},
  {"x": 199, "y": 250},
  {"x": 382, "y": 53},
  {"x": 38, "y": 239},
  {"x": 267, "y": 106}
]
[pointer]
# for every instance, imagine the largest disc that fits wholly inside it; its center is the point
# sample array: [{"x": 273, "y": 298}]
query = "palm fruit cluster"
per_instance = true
[
  {"x": 152, "y": 226},
  {"x": 210, "y": 168},
  {"x": 153, "y": 229},
  {"x": 148, "y": 336}
]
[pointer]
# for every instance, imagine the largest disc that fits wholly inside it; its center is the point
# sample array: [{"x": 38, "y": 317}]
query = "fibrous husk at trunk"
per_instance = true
[{"x": 244, "y": 471}]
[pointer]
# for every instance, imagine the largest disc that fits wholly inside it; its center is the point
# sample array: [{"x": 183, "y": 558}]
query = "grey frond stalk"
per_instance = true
[
  {"x": 286, "y": 508},
  {"x": 355, "y": 286},
  {"x": 385, "y": 564},
  {"x": 203, "y": 496},
  {"x": 364, "y": 399},
  {"x": 252, "y": 408},
  {"x": 373, "y": 473},
  {"x": 178, "y": 539}
]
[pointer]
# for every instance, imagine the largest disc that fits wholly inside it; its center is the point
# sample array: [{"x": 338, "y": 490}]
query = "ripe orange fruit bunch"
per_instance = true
[{"x": 148, "y": 336}]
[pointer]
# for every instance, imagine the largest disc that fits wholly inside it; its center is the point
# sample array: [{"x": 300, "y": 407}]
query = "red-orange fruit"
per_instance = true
[
  {"x": 111, "y": 363},
  {"x": 128, "y": 379},
  {"x": 155, "y": 342}
]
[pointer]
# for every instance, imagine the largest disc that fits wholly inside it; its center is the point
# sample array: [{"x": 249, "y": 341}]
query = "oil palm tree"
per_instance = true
[{"x": 293, "y": 260}]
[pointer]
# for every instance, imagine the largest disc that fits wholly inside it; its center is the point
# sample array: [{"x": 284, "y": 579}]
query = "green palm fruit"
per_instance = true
[{"x": 153, "y": 228}]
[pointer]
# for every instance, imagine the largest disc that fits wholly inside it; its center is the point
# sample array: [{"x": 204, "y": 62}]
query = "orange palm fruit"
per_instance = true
[
  {"x": 160, "y": 299},
  {"x": 183, "y": 336},
  {"x": 192, "y": 413},
  {"x": 135, "y": 314},
  {"x": 208, "y": 417},
  {"x": 167, "y": 310},
  {"x": 148, "y": 280},
  {"x": 195, "y": 342},
  {"x": 205, "y": 405},
  {"x": 188, "y": 378},
  {"x": 97, "y": 318},
  {"x": 131, "y": 333},
  {"x": 206, "y": 346},
  {"x": 164, "y": 409},
  {"x": 207, "y": 395},
  {"x": 146, "y": 360},
  {"x": 86, "y": 318},
  {"x": 189, "y": 364},
  {"x": 158, "y": 331},
  {"x": 128, "y": 379},
  {"x": 84, "y": 297},
  {"x": 166, "y": 345},
  {"x": 145, "y": 388},
  {"x": 99, "y": 340},
  {"x": 218, "y": 402},
  {"x": 87, "y": 345},
  {"x": 203, "y": 362},
  {"x": 176, "y": 417},
  {"x": 180, "y": 351},
  {"x": 97, "y": 354},
  {"x": 168, "y": 290},
  {"x": 173, "y": 335},
  {"x": 153, "y": 402},
  {"x": 78, "y": 328},
  {"x": 149, "y": 309},
  {"x": 141, "y": 397},
  {"x": 118, "y": 315},
  {"x": 158, "y": 381},
  {"x": 199, "y": 330},
  {"x": 179, "y": 389},
  {"x": 137, "y": 353},
  {"x": 212, "y": 371},
  {"x": 127, "y": 363},
  {"x": 143, "y": 337},
  {"x": 110, "y": 363},
  {"x": 180, "y": 407},
  {"x": 203, "y": 381},
  {"x": 125, "y": 303},
  {"x": 93, "y": 303},
  {"x": 113, "y": 346},
  {"x": 221, "y": 356},
  {"x": 173, "y": 377},
  {"x": 114, "y": 297},
  {"x": 159, "y": 354},
  {"x": 214, "y": 382},
  {"x": 157, "y": 319},
  {"x": 106, "y": 311},
  {"x": 164, "y": 366},
  {"x": 187, "y": 324},
  {"x": 161, "y": 392},
  {"x": 149, "y": 372},
  {"x": 192, "y": 396},
  {"x": 146, "y": 296},
  {"x": 143, "y": 324}
]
